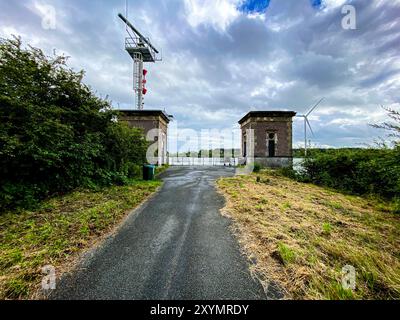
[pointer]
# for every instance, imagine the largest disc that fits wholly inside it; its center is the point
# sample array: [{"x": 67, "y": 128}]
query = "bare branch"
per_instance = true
[{"x": 393, "y": 127}]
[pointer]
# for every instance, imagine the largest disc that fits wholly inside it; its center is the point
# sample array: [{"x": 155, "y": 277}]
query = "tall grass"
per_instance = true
[{"x": 357, "y": 171}]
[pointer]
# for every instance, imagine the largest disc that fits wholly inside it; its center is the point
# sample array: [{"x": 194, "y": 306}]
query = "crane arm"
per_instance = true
[{"x": 142, "y": 38}]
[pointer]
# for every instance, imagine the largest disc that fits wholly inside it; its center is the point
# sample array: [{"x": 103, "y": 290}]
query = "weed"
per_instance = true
[
  {"x": 395, "y": 206},
  {"x": 335, "y": 291},
  {"x": 286, "y": 206},
  {"x": 257, "y": 167},
  {"x": 287, "y": 254},
  {"x": 16, "y": 288},
  {"x": 334, "y": 205},
  {"x": 327, "y": 228}
]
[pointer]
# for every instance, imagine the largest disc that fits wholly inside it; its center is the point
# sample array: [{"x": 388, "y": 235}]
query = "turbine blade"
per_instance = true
[
  {"x": 309, "y": 125},
  {"x": 313, "y": 108}
]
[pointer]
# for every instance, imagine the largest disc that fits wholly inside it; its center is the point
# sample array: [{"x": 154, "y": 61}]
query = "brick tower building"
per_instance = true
[
  {"x": 272, "y": 137},
  {"x": 149, "y": 120}
]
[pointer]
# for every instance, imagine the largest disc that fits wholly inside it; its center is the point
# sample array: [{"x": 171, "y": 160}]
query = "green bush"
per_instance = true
[
  {"x": 359, "y": 171},
  {"x": 55, "y": 134},
  {"x": 257, "y": 167},
  {"x": 288, "y": 172}
]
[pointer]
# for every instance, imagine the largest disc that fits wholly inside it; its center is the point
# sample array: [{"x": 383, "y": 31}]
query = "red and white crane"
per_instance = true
[{"x": 141, "y": 50}]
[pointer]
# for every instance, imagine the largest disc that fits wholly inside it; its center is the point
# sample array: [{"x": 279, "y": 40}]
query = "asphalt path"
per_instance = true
[{"x": 177, "y": 246}]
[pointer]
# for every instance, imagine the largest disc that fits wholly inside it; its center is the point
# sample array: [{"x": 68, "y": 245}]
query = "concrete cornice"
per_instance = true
[{"x": 267, "y": 116}]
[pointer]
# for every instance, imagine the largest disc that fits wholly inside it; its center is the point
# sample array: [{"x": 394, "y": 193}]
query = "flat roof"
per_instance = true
[
  {"x": 254, "y": 114},
  {"x": 149, "y": 113}
]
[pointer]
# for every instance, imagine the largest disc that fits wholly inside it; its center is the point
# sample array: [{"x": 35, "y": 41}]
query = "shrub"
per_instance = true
[
  {"x": 55, "y": 134},
  {"x": 288, "y": 172},
  {"x": 257, "y": 167},
  {"x": 358, "y": 171}
]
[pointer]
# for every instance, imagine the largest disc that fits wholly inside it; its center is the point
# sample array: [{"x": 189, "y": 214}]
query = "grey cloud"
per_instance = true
[
  {"x": 379, "y": 78},
  {"x": 209, "y": 78},
  {"x": 317, "y": 70}
]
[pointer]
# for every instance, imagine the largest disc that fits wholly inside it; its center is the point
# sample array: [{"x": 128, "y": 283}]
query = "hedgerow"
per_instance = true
[
  {"x": 367, "y": 172},
  {"x": 55, "y": 133}
]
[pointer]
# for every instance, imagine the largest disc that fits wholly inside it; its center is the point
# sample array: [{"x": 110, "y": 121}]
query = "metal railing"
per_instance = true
[
  {"x": 192, "y": 161},
  {"x": 135, "y": 42}
]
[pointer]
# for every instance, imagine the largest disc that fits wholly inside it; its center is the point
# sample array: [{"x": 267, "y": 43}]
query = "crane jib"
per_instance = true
[{"x": 142, "y": 38}]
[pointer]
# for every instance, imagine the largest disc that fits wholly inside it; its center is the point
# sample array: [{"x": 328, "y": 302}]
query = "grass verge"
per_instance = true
[
  {"x": 302, "y": 235},
  {"x": 58, "y": 231},
  {"x": 161, "y": 169}
]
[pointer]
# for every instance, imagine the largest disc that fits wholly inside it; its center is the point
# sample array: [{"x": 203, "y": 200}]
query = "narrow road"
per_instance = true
[{"x": 177, "y": 246}]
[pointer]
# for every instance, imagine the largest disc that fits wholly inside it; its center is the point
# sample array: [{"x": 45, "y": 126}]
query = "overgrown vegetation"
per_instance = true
[
  {"x": 372, "y": 171},
  {"x": 311, "y": 152},
  {"x": 55, "y": 134},
  {"x": 161, "y": 169},
  {"x": 302, "y": 235},
  {"x": 257, "y": 167},
  {"x": 57, "y": 231},
  {"x": 359, "y": 171}
]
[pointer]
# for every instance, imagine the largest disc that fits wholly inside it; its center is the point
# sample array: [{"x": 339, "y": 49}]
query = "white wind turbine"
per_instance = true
[{"x": 307, "y": 123}]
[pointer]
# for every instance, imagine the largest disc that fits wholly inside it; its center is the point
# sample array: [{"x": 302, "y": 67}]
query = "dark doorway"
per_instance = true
[
  {"x": 271, "y": 145},
  {"x": 271, "y": 148},
  {"x": 245, "y": 149}
]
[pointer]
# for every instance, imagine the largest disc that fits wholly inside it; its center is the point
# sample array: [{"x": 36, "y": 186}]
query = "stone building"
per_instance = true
[
  {"x": 273, "y": 137},
  {"x": 155, "y": 126}
]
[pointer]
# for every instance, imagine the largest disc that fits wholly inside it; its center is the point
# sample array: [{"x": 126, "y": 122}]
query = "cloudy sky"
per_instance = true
[{"x": 222, "y": 58}]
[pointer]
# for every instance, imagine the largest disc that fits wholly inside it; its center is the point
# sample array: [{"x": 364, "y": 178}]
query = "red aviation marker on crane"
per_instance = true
[
  {"x": 144, "y": 81},
  {"x": 141, "y": 50}
]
